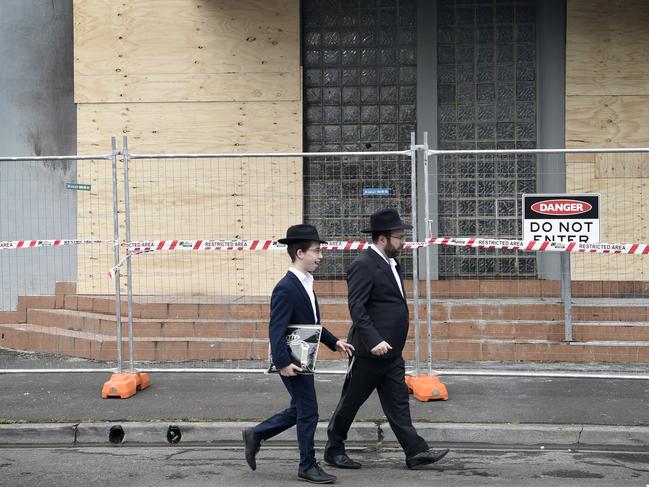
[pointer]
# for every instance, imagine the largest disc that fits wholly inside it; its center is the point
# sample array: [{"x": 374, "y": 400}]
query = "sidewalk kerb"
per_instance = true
[
  {"x": 361, "y": 433},
  {"x": 497, "y": 434},
  {"x": 622, "y": 436},
  {"x": 140, "y": 433},
  {"x": 37, "y": 434}
]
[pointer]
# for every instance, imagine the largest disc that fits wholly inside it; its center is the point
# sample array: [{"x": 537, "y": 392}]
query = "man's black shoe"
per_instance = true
[
  {"x": 316, "y": 475},
  {"x": 341, "y": 461},
  {"x": 425, "y": 458},
  {"x": 252, "y": 444}
]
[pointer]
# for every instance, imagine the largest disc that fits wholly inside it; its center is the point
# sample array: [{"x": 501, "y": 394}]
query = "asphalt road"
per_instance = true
[{"x": 168, "y": 466}]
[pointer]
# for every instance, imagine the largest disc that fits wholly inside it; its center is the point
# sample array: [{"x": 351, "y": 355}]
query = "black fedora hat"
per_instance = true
[
  {"x": 301, "y": 232},
  {"x": 387, "y": 219}
]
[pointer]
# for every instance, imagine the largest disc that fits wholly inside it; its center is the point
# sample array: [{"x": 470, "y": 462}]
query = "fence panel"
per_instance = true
[
  {"x": 500, "y": 304},
  {"x": 210, "y": 308},
  {"x": 56, "y": 228},
  {"x": 198, "y": 308}
]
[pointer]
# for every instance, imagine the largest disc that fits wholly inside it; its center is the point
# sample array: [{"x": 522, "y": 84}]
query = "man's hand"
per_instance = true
[
  {"x": 381, "y": 349},
  {"x": 346, "y": 350},
  {"x": 290, "y": 370}
]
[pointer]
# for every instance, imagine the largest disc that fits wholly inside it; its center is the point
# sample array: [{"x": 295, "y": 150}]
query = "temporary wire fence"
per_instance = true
[
  {"x": 67, "y": 202},
  {"x": 217, "y": 295},
  {"x": 195, "y": 297}
]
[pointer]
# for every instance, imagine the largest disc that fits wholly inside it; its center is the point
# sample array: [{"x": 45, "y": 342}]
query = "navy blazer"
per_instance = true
[
  {"x": 378, "y": 309},
  {"x": 290, "y": 305}
]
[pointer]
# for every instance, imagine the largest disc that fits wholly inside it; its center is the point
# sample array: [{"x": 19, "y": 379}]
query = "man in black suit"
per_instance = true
[
  {"x": 293, "y": 302},
  {"x": 379, "y": 312}
]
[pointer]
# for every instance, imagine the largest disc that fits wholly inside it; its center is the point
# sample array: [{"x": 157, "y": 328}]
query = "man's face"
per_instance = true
[
  {"x": 395, "y": 243},
  {"x": 311, "y": 257}
]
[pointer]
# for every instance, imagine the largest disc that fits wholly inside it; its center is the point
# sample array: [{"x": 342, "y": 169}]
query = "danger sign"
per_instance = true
[{"x": 561, "y": 217}]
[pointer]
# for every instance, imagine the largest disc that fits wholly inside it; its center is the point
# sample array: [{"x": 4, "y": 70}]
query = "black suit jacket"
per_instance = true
[
  {"x": 290, "y": 305},
  {"x": 378, "y": 309}
]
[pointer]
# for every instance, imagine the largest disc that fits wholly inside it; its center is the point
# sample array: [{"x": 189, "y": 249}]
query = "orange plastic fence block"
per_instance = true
[
  {"x": 426, "y": 388},
  {"x": 143, "y": 380},
  {"x": 125, "y": 385}
]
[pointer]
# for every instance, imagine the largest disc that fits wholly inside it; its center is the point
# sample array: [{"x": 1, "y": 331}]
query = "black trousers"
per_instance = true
[
  {"x": 387, "y": 377},
  {"x": 303, "y": 412}
]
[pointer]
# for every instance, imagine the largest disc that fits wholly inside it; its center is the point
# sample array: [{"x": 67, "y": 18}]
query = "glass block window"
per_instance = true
[
  {"x": 486, "y": 75},
  {"x": 359, "y": 61}
]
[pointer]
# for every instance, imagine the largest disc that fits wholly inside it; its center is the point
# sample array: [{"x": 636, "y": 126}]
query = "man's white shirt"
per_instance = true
[
  {"x": 392, "y": 263},
  {"x": 307, "y": 282}
]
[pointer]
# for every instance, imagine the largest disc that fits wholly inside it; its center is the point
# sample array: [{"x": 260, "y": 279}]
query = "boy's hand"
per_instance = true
[{"x": 290, "y": 370}]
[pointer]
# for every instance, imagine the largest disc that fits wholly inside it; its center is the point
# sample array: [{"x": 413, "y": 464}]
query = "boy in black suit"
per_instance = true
[
  {"x": 379, "y": 312},
  {"x": 294, "y": 302}
]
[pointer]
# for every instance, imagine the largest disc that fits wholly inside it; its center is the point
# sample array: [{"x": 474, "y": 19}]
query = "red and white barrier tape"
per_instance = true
[
  {"x": 25, "y": 244},
  {"x": 143, "y": 247},
  {"x": 492, "y": 243},
  {"x": 543, "y": 246}
]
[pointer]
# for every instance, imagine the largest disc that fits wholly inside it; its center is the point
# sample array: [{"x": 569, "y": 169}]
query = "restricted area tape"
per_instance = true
[
  {"x": 491, "y": 243},
  {"x": 144, "y": 247},
  {"x": 28, "y": 244},
  {"x": 543, "y": 246}
]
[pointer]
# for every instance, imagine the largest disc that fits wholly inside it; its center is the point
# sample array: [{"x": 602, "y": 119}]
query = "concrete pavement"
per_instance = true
[{"x": 212, "y": 408}]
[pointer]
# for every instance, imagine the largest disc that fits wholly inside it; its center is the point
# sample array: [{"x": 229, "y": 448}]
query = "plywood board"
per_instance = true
[
  {"x": 624, "y": 204},
  {"x": 607, "y": 121},
  {"x": 623, "y": 209},
  {"x": 192, "y": 76},
  {"x": 213, "y": 273},
  {"x": 190, "y": 199},
  {"x": 186, "y": 50},
  {"x": 582, "y": 157},
  {"x": 607, "y": 86},
  {"x": 99, "y": 27},
  {"x": 187, "y": 199},
  {"x": 233, "y": 86},
  {"x": 580, "y": 178},
  {"x": 606, "y": 267},
  {"x": 627, "y": 165},
  {"x": 192, "y": 127},
  {"x": 607, "y": 47}
]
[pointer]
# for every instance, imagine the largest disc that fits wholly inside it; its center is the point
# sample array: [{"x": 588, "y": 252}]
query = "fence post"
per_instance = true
[
  {"x": 415, "y": 237},
  {"x": 429, "y": 325},
  {"x": 129, "y": 274},
  {"x": 118, "y": 296},
  {"x": 566, "y": 295},
  {"x": 122, "y": 384}
]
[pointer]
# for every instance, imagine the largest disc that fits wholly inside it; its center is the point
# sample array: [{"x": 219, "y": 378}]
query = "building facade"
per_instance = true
[{"x": 206, "y": 76}]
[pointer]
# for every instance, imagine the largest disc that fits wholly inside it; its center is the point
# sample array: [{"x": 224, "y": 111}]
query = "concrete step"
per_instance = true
[
  {"x": 479, "y": 329},
  {"x": 103, "y": 347},
  {"x": 542, "y": 351},
  {"x": 613, "y": 331},
  {"x": 97, "y": 346},
  {"x": 57, "y": 341},
  {"x": 337, "y": 309},
  {"x": 508, "y": 288},
  {"x": 213, "y": 328},
  {"x": 540, "y": 330},
  {"x": 539, "y": 310},
  {"x": 461, "y": 319},
  {"x": 73, "y": 343},
  {"x": 196, "y": 328},
  {"x": 143, "y": 327}
]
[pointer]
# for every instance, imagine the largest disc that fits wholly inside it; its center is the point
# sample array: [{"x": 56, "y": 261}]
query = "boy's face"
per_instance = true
[{"x": 311, "y": 257}]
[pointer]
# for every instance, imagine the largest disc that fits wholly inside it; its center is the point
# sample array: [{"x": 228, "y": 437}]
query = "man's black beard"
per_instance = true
[{"x": 391, "y": 253}]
